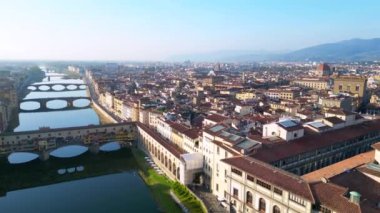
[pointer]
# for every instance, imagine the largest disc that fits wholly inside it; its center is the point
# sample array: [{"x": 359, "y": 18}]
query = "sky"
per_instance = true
[{"x": 145, "y": 30}]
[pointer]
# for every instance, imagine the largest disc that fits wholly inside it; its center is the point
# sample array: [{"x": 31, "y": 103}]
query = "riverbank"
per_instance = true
[
  {"x": 161, "y": 188},
  {"x": 159, "y": 185},
  {"x": 104, "y": 117}
]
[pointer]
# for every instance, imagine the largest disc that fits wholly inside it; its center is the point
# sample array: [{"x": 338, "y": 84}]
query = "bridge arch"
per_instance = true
[
  {"x": 68, "y": 151},
  {"x": 57, "y": 87},
  {"x": 21, "y": 157},
  {"x": 110, "y": 146},
  {"x": 44, "y": 108},
  {"x": 56, "y": 104}
]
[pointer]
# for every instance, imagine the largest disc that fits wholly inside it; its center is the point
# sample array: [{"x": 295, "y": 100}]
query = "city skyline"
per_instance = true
[{"x": 159, "y": 30}]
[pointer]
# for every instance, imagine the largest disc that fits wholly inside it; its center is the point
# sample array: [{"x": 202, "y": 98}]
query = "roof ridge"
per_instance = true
[{"x": 269, "y": 166}]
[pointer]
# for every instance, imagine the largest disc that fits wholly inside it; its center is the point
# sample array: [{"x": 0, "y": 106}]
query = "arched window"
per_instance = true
[
  {"x": 262, "y": 205},
  {"x": 276, "y": 209},
  {"x": 249, "y": 198}
]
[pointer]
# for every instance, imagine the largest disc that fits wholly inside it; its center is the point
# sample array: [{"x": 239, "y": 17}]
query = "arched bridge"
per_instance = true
[
  {"x": 64, "y": 87},
  {"x": 43, "y": 142},
  {"x": 44, "y": 108}
]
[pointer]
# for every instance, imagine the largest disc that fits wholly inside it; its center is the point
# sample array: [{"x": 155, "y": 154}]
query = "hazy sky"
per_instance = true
[{"x": 158, "y": 29}]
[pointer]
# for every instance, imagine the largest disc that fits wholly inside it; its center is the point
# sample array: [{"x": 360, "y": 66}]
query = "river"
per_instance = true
[
  {"x": 106, "y": 182},
  {"x": 72, "y": 180},
  {"x": 56, "y": 119}
]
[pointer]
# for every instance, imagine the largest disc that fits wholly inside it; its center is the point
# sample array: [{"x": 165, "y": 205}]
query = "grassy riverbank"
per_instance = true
[
  {"x": 161, "y": 187},
  {"x": 187, "y": 198}
]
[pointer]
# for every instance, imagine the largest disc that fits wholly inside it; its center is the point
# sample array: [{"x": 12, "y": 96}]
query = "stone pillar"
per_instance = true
[
  {"x": 94, "y": 148},
  {"x": 44, "y": 155}
]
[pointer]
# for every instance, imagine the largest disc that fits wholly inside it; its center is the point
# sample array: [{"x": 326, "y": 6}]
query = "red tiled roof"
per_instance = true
[
  {"x": 339, "y": 167},
  {"x": 192, "y": 133},
  {"x": 273, "y": 175},
  {"x": 156, "y": 136},
  {"x": 376, "y": 146},
  {"x": 312, "y": 142},
  {"x": 178, "y": 127},
  {"x": 217, "y": 118},
  {"x": 368, "y": 188},
  {"x": 323, "y": 67},
  {"x": 332, "y": 197}
]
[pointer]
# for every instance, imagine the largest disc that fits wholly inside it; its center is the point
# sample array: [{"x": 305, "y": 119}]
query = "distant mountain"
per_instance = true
[{"x": 349, "y": 50}]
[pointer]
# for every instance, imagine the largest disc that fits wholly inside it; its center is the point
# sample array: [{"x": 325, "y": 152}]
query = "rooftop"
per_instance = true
[
  {"x": 340, "y": 167},
  {"x": 312, "y": 141},
  {"x": 273, "y": 175}
]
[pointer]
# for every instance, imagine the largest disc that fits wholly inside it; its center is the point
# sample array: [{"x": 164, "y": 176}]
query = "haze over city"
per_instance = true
[
  {"x": 240, "y": 106},
  {"x": 160, "y": 30}
]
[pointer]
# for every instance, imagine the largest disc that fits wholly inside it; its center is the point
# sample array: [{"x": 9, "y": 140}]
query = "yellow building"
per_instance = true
[
  {"x": 316, "y": 84},
  {"x": 118, "y": 106},
  {"x": 247, "y": 95},
  {"x": 350, "y": 84}
]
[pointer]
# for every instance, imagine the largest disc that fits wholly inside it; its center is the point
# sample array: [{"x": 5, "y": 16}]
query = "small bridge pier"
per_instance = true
[
  {"x": 44, "y": 155},
  {"x": 94, "y": 148}
]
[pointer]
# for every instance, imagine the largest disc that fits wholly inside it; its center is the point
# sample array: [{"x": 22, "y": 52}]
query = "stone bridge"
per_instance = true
[
  {"x": 43, "y": 104},
  {"x": 44, "y": 141},
  {"x": 39, "y": 87}
]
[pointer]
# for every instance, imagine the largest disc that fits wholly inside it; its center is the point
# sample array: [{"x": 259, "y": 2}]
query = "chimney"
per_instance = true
[{"x": 355, "y": 197}]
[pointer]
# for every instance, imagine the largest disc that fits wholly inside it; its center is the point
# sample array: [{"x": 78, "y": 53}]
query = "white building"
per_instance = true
[{"x": 286, "y": 129}]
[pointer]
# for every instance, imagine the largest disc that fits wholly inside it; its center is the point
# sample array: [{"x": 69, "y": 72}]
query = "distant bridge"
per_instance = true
[
  {"x": 67, "y": 87},
  {"x": 43, "y": 104},
  {"x": 43, "y": 142}
]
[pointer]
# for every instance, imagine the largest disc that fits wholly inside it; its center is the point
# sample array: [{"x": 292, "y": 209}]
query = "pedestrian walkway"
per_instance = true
[{"x": 210, "y": 200}]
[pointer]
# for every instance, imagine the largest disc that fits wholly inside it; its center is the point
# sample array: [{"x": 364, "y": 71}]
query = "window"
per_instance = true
[
  {"x": 277, "y": 191},
  {"x": 236, "y": 171},
  {"x": 297, "y": 199},
  {"x": 250, "y": 178},
  {"x": 340, "y": 87},
  {"x": 295, "y": 135},
  {"x": 217, "y": 187},
  {"x": 217, "y": 150},
  {"x": 249, "y": 198},
  {"x": 276, "y": 209},
  {"x": 262, "y": 205},
  {"x": 325, "y": 210},
  {"x": 263, "y": 184},
  {"x": 357, "y": 88},
  {"x": 235, "y": 192}
]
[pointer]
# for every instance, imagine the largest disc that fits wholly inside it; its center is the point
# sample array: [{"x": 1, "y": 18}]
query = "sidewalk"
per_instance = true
[{"x": 209, "y": 200}]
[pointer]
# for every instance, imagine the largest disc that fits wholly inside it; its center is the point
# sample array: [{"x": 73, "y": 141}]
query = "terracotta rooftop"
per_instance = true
[
  {"x": 376, "y": 146},
  {"x": 168, "y": 146},
  {"x": 332, "y": 197},
  {"x": 312, "y": 141},
  {"x": 272, "y": 175},
  {"x": 339, "y": 112},
  {"x": 323, "y": 67},
  {"x": 192, "y": 133},
  {"x": 368, "y": 188},
  {"x": 216, "y": 118},
  {"x": 334, "y": 120},
  {"x": 340, "y": 167}
]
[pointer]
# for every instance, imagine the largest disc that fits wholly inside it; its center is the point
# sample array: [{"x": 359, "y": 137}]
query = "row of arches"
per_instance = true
[
  {"x": 164, "y": 159},
  {"x": 262, "y": 204}
]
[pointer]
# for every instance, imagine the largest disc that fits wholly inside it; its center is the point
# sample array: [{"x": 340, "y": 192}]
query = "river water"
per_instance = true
[
  {"x": 56, "y": 119},
  {"x": 72, "y": 180}
]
